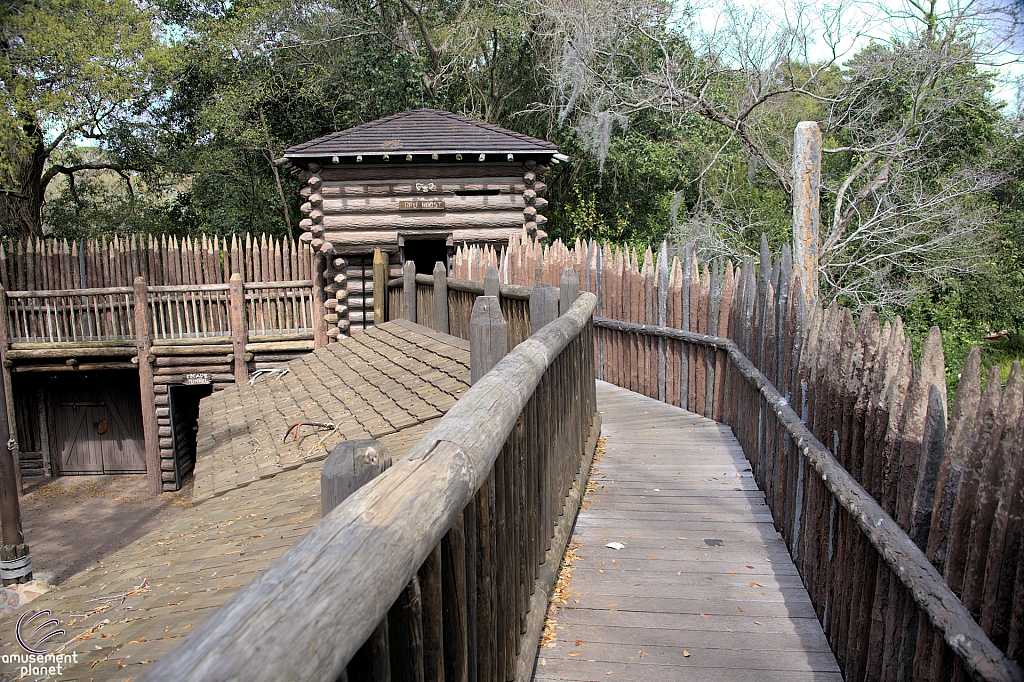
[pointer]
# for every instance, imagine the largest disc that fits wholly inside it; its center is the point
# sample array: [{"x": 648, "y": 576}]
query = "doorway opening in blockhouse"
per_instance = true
[
  {"x": 183, "y": 404},
  {"x": 425, "y": 253}
]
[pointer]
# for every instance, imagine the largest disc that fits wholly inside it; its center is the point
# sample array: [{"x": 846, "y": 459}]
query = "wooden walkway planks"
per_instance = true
[{"x": 705, "y": 588}]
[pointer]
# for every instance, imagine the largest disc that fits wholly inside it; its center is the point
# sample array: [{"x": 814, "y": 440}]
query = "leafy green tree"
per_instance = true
[{"x": 73, "y": 73}]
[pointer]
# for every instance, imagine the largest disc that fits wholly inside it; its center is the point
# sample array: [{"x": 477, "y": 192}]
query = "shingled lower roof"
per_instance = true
[
  {"x": 376, "y": 383},
  {"x": 421, "y": 131}
]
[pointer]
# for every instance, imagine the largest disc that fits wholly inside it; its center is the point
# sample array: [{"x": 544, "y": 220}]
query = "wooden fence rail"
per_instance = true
[
  {"x": 471, "y": 521},
  {"x": 461, "y": 295}
]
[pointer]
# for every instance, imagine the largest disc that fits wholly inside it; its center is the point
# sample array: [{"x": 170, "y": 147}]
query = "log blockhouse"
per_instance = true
[{"x": 413, "y": 185}]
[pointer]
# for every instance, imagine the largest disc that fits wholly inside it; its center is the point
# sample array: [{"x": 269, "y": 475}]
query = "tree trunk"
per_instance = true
[{"x": 21, "y": 189}]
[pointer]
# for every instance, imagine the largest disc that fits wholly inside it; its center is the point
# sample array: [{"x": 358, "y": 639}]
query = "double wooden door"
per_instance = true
[{"x": 99, "y": 424}]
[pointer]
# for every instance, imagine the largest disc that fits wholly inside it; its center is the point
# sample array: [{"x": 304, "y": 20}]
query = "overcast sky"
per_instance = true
[{"x": 862, "y": 21}]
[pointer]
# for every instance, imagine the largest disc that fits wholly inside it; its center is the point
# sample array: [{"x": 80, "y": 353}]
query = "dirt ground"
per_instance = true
[{"x": 71, "y": 522}]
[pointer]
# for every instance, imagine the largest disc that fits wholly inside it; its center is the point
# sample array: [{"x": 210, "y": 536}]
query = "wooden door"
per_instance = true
[
  {"x": 77, "y": 421},
  {"x": 99, "y": 424}
]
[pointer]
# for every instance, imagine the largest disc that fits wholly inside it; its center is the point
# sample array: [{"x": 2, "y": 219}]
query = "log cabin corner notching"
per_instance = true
[{"x": 413, "y": 185}]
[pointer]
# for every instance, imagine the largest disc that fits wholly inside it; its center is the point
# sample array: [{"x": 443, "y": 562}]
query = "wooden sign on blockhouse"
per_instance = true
[
  {"x": 421, "y": 205},
  {"x": 197, "y": 379}
]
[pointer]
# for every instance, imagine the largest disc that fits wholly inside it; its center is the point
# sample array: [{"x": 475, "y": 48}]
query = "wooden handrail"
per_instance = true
[
  {"x": 962, "y": 634},
  {"x": 186, "y": 288},
  {"x": 307, "y": 614},
  {"x": 289, "y": 284},
  {"x": 513, "y": 291},
  {"x": 59, "y": 293}
]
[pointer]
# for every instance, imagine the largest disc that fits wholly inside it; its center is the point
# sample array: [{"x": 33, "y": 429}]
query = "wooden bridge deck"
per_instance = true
[{"x": 704, "y": 588}]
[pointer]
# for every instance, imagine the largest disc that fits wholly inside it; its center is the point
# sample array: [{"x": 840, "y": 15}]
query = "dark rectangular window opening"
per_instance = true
[
  {"x": 477, "y": 192},
  {"x": 425, "y": 253}
]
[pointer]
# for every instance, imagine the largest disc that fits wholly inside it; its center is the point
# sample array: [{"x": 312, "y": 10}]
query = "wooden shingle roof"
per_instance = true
[
  {"x": 382, "y": 381},
  {"x": 421, "y": 131}
]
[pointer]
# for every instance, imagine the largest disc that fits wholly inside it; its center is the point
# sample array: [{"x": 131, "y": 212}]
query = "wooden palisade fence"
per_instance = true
[
  {"x": 905, "y": 526},
  {"x": 441, "y": 566},
  {"x": 214, "y": 309}
]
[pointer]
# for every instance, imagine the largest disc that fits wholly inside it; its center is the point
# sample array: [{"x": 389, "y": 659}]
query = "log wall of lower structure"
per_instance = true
[{"x": 207, "y": 326}]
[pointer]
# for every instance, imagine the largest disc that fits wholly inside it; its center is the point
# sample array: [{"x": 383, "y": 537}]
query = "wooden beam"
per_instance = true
[{"x": 143, "y": 346}]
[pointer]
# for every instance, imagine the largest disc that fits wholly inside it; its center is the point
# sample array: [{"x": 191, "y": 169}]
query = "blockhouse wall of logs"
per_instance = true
[{"x": 350, "y": 210}]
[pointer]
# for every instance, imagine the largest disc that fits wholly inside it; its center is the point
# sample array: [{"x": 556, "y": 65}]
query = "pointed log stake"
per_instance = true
[
  {"x": 806, "y": 207},
  {"x": 440, "y": 298}
]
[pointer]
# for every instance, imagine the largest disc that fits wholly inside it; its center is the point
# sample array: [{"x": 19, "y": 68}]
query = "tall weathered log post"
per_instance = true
[
  {"x": 488, "y": 344},
  {"x": 662, "y": 321},
  {"x": 5, "y": 370},
  {"x": 380, "y": 287},
  {"x": 15, "y": 562},
  {"x": 806, "y": 207},
  {"x": 440, "y": 298},
  {"x": 239, "y": 333},
  {"x": 409, "y": 291},
  {"x": 320, "y": 338},
  {"x": 143, "y": 344},
  {"x": 351, "y": 465},
  {"x": 492, "y": 282},
  {"x": 488, "y": 337}
]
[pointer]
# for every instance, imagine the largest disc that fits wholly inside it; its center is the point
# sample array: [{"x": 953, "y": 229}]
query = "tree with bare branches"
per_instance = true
[{"x": 907, "y": 121}]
